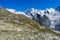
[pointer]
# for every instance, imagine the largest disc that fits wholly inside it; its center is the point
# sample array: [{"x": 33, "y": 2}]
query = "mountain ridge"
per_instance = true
[
  {"x": 49, "y": 17},
  {"x": 20, "y": 27}
]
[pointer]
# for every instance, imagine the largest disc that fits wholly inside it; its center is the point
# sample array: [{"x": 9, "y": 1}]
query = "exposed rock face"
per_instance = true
[
  {"x": 18, "y": 27},
  {"x": 49, "y": 18}
]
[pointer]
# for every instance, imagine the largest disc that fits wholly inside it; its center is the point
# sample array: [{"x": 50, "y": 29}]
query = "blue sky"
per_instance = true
[{"x": 22, "y": 5}]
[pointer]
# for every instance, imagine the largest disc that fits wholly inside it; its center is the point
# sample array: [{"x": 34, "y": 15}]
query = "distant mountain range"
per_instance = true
[
  {"x": 32, "y": 24},
  {"x": 49, "y": 18}
]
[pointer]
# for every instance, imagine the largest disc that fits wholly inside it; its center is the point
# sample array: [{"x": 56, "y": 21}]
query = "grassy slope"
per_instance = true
[{"x": 18, "y": 19}]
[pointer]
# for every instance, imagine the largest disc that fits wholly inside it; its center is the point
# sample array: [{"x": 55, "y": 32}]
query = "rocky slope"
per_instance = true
[
  {"x": 19, "y": 27},
  {"x": 49, "y": 17}
]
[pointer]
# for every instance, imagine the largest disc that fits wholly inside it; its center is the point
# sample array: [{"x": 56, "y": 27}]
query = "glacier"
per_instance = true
[{"x": 49, "y": 17}]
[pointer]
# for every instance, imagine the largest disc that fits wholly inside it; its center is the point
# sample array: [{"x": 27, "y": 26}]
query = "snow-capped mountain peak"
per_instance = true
[
  {"x": 32, "y": 9},
  {"x": 30, "y": 12},
  {"x": 11, "y": 10},
  {"x": 51, "y": 10},
  {"x": 49, "y": 17},
  {"x": 15, "y": 11}
]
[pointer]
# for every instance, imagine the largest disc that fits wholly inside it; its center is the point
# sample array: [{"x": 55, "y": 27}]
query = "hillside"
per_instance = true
[{"x": 19, "y": 27}]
